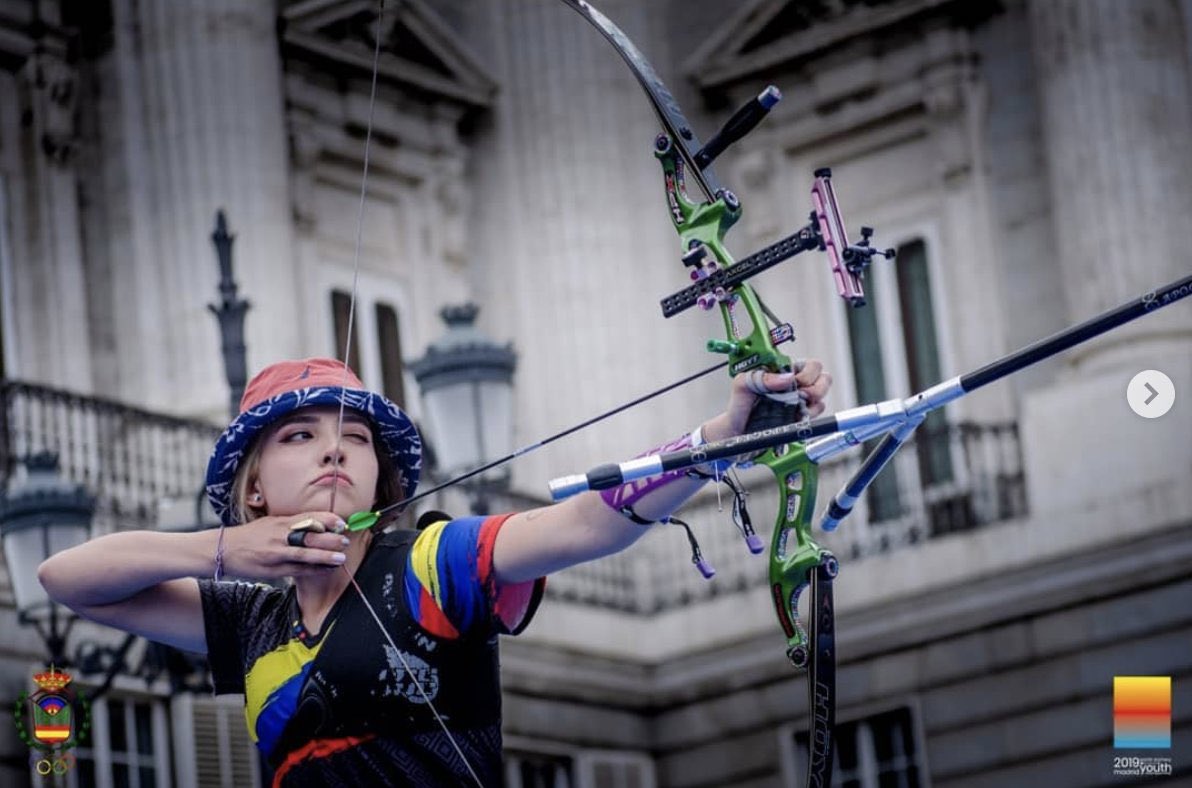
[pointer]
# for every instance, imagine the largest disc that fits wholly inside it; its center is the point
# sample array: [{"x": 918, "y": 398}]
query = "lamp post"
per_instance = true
[
  {"x": 230, "y": 314},
  {"x": 466, "y": 380},
  {"x": 42, "y": 514}
]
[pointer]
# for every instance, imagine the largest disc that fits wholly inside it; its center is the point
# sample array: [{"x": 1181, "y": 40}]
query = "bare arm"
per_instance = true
[
  {"x": 535, "y": 543},
  {"x": 143, "y": 581},
  {"x": 138, "y": 581}
]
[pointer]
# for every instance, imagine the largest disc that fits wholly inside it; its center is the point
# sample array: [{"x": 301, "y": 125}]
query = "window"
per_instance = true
[
  {"x": 922, "y": 359},
  {"x": 341, "y": 310},
  {"x": 864, "y": 342},
  {"x": 879, "y": 751},
  {"x": 376, "y": 337},
  {"x": 389, "y": 343},
  {"x": 894, "y": 336},
  {"x": 127, "y": 748},
  {"x": 538, "y": 770},
  {"x": 560, "y": 766}
]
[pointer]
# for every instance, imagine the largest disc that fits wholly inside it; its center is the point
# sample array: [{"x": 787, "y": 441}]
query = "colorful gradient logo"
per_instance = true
[{"x": 1142, "y": 712}]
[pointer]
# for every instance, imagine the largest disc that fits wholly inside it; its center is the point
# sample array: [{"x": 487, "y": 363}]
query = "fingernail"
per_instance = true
[
  {"x": 340, "y": 526},
  {"x": 345, "y": 541},
  {"x": 339, "y": 558}
]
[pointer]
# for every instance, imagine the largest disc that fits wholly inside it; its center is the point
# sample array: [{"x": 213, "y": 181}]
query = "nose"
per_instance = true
[{"x": 333, "y": 455}]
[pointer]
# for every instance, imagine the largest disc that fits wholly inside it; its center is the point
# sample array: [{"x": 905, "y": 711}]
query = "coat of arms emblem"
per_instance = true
[{"x": 54, "y": 717}]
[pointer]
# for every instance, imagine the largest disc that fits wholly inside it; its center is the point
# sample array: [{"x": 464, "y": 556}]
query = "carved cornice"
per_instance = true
[
  {"x": 20, "y": 37},
  {"x": 418, "y": 51},
  {"x": 50, "y": 88},
  {"x": 770, "y": 35}
]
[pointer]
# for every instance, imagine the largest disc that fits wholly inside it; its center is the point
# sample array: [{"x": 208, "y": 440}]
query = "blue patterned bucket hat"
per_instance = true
[{"x": 286, "y": 386}]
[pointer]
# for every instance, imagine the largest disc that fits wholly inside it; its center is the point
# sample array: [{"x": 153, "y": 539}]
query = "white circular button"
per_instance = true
[{"x": 1150, "y": 393}]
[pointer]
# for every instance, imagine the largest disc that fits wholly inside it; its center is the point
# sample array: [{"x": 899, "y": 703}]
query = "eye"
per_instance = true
[{"x": 294, "y": 436}]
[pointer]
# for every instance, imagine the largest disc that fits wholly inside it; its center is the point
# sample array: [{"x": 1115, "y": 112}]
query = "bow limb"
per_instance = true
[{"x": 670, "y": 115}]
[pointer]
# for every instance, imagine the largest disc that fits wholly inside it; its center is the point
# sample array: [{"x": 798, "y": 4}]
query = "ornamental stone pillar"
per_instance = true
[
  {"x": 198, "y": 124},
  {"x": 1116, "y": 100},
  {"x": 50, "y": 316},
  {"x": 1116, "y": 104}
]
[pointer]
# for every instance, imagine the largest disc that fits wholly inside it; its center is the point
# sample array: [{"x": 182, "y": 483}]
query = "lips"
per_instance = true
[{"x": 327, "y": 479}]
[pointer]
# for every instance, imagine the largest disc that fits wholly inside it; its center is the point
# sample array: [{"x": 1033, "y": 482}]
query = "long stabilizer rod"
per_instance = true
[{"x": 887, "y": 415}]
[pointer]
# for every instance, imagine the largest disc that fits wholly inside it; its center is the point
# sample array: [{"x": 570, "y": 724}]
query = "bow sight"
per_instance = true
[{"x": 825, "y": 232}]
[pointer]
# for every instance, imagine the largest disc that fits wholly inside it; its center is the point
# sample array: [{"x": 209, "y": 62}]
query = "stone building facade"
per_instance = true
[{"x": 1029, "y": 159}]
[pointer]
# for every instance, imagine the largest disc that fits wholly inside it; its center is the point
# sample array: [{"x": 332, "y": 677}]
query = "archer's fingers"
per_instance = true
[
  {"x": 761, "y": 382},
  {"x": 810, "y": 373},
  {"x": 818, "y": 389},
  {"x": 313, "y": 556},
  {"x": 319, "y": 522},
  {"x": 325, "y": 541}
]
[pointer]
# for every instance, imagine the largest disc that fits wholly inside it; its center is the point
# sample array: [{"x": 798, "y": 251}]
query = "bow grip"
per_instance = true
[{"x": 768, "y": 413}]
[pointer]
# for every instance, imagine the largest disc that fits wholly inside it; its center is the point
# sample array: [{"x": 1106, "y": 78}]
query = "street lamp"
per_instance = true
[
  {"x": 230, "y": 314},
  {"x": 42, "y": 514},
  {"x": 466, "y": 381}
]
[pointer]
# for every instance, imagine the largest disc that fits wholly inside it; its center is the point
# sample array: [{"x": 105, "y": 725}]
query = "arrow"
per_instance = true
[{"x": 1153, "y": 394}]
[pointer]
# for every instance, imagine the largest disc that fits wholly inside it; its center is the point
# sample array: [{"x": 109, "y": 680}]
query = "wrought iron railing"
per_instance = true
[
  {"x": 943, "y": 482},
  {"x": 130, "y": 459}
]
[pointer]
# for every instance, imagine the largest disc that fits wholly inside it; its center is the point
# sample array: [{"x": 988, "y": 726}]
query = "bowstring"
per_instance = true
[{"x": 372, "y": 97}]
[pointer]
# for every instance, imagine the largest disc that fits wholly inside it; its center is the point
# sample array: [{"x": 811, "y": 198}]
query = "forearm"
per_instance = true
[
  {"x": 588, "y": 526},
  {"x": 115, "y": 567}
]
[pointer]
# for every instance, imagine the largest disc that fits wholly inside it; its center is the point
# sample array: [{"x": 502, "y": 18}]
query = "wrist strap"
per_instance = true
[
  {"x": 624, "y": 498},
  {"x": 219, "y": 555},
  {"x": 716, "y": 469}
]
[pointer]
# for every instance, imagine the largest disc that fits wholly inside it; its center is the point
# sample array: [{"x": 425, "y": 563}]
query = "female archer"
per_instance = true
[{"x": 394, "y": 680}]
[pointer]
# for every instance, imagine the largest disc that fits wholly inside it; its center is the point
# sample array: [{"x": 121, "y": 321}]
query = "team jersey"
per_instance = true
[{"x": 339, "y": 707}]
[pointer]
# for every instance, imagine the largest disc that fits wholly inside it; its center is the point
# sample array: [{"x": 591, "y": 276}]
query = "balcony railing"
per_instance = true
[
  {"x": 951, "y": 480},
  {"x": 130, "y": 459}
]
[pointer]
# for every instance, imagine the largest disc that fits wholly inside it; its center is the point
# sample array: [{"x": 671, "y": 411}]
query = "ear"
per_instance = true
[{"x": 256, "y": 498}]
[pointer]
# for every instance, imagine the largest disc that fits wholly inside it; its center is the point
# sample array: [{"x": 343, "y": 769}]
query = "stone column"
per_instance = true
[
  {"x": 49, "y": 282},
  {"x": 1116, "y": 103},
  {"x": 198, "y": 124},
  {"x": 1117, "y": 116}
]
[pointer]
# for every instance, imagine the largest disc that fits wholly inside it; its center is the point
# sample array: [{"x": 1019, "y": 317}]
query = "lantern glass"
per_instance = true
[
  {"x": 471, "y": 422},
  {"x": 496, "y": 428},
  {"x": 25, "y": 548},
  {"x": 453, "y": 421},
  {"x": 466, "y": 381}
]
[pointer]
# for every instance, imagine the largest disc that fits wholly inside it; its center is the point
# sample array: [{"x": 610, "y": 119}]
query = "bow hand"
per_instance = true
[{"x": 761, "y": 399}]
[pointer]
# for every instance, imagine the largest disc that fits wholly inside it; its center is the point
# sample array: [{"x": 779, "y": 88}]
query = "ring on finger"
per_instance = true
[
  {"x": 296, "y": 539},
  {"x": 309, "y": 524}
]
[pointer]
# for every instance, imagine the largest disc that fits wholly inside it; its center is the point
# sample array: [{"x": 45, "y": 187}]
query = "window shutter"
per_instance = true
[
  {"x": 212, "y": 744},
  {"x": 611, "y": 769}
]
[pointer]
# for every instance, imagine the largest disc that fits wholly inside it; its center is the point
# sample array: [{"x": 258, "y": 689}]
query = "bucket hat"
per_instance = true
[{"x": 282, "y": 388}]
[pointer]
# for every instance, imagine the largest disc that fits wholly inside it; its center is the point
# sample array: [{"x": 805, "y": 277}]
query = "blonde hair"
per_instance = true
[
  {"x": 246, "y": 475},
  {"x": 390, "y": 489}
]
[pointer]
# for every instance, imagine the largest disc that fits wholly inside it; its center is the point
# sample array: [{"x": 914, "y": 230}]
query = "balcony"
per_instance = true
[
  {"x": 946, "y": 481},
  {"x": 131, "y": 459}
]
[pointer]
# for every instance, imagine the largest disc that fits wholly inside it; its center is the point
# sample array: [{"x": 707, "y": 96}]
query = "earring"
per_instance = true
[{"x": 256, "y": 498}]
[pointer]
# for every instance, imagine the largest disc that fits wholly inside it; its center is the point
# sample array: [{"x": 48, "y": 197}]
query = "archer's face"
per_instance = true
[{"x": 297, "y": 467}]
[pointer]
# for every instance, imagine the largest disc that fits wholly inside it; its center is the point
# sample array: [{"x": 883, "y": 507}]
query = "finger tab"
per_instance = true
[{"x": 309, "y": 524}]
